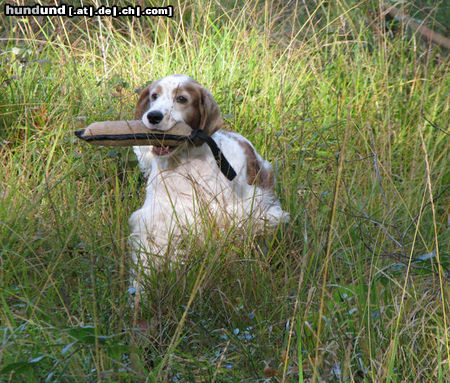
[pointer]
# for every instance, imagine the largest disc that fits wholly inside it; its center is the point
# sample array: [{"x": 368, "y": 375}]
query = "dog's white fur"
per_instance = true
[{"x": 186, "y": 187}]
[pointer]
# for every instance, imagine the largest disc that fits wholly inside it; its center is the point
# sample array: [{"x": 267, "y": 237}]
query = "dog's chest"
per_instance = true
[{"x": 186, "y": 189}]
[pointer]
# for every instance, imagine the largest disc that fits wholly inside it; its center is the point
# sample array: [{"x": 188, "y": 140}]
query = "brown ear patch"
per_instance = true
[
  {"x": 256, "y": 174},
  {"x": 143, "y": 103},
  {"x": 211, "y": 118}
]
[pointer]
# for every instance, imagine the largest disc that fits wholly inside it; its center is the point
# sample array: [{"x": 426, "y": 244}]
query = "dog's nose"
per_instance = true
[{"x": 154, "y": 117}]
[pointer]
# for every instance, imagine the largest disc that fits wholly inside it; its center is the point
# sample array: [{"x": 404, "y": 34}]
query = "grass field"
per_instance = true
[{"x": 351, "y": 111}]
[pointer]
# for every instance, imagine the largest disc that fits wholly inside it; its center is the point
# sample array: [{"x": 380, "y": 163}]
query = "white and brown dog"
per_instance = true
[{"x": 186, "y": 190}]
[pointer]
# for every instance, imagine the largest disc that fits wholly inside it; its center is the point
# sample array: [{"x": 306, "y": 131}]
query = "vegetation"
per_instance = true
[{"x": 351, "y": 109}]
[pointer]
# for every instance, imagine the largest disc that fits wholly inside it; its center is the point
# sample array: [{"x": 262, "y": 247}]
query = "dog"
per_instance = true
[{"x": 185, "y": 186}]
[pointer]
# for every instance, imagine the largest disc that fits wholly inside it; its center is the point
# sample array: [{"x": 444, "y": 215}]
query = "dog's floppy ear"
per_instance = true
[
  {"x": 211, "y": 118},
  {"x": 143, "y": 103}
]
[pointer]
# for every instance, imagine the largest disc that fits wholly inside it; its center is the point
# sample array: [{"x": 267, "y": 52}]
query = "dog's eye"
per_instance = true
[
  {"x": 154, "y": 96},
  {"x": 182, "y": 99}
]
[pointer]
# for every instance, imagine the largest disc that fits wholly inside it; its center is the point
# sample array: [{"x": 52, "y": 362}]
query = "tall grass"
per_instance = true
[{"x": 351, "y": 112}]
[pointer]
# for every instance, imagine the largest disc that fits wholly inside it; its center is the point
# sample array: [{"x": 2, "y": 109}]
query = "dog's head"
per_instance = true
[{"x": 177, "y": 98}]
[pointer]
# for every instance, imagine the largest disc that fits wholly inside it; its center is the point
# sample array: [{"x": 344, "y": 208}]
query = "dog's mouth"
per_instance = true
[{"x": 163, "y": 150}]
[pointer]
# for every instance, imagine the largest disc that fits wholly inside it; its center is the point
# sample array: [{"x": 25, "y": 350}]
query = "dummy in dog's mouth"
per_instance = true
[
  {"x": 164, "y": 143},
  {"x": 126, "y": 133}
]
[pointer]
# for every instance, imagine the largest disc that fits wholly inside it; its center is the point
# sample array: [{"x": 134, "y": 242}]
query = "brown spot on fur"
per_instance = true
[
  {"x": 256, "y": 174},
  {"x": 266, "y": 178},
  {"x": 192, "y": 109}
]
